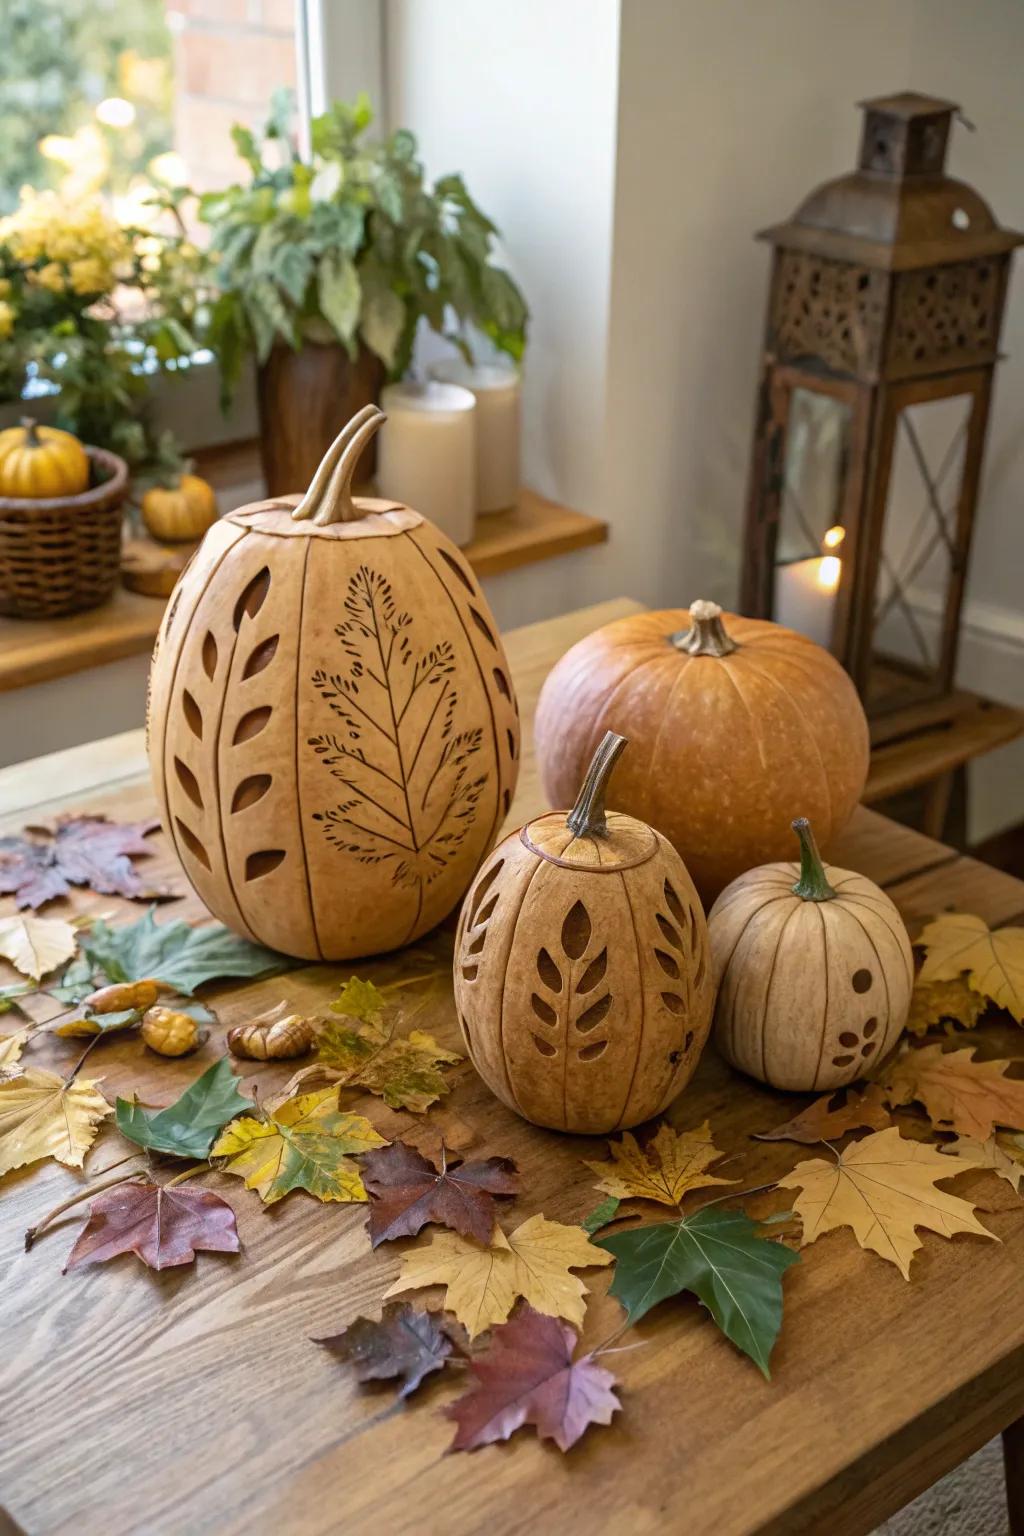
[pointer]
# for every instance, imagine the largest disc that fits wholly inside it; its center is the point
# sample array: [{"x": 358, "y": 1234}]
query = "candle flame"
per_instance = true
[
  {"x": 834, "y": 537},
  {"x": 828, "y": 573}
]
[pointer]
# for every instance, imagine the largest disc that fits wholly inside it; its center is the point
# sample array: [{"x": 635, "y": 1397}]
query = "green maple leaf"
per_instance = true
[
  {"x": 187, "y": 1127},
  {"x": 359, "y": 1000},
  {"x": 717, "y": 1255},
  {"x": 175, "y": 953}
]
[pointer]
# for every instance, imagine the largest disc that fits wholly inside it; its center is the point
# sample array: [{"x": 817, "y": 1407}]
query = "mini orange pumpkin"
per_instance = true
[
  {"x": 181, "y": 512},
  {"x": 732, "y": 721},
  {"x": 37, "y": 462},
  {"x": 582, "y": 967}
]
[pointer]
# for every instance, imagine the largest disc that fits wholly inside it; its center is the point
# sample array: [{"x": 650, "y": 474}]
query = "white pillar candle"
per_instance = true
[
  {"x": 805, "y": 596},
  {"x": 427, "y": 453},
  {"x": 496, "y": 391}
]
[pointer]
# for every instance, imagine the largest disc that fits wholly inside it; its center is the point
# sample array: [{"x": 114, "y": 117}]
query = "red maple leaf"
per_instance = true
[
  {"x": 408, "y": 1191},
  {"x": 405, "y": 1343},
  {"x": 528, "y": 1376},
  {"x": 162, "y": 1227},
  {"x": 80, "y": 850}
]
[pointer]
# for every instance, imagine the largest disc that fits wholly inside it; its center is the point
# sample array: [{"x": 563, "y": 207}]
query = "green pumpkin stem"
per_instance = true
[
  {"x": 707, "y": 635},
  {"x": 587, "y": 817},
  {"x": 813, "y": 882},
  {"x": 329, "y": 498}
]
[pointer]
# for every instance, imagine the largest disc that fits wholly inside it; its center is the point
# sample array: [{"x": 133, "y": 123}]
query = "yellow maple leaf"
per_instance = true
[
  {"x": 664, "y": 1170},
  {"x": 993, "y": 959},
  {"x": 935, "y": 1002},
  {"x": 42, "y": 1115},
  {"x": 990, "y": 1154},
  {"x": 300, "y": 1144},
  {"x": 958, "y": 1093},
  {"x": 11, "y": 1047},
  {"x": 534, "y": 1262},
  {"x": 35, "y": 945},
  {"x": 883, "y": 1187}
]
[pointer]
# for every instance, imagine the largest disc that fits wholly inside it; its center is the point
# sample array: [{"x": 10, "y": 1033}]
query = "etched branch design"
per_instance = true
[{"x": 411, "y": 794}]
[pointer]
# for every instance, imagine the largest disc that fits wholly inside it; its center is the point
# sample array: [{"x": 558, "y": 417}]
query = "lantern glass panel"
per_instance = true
[
  {"x": 918, "y": 555},
  {"x": 812, "y": 498}
]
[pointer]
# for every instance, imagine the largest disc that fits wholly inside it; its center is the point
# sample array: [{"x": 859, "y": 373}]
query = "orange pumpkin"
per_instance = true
[
  {"x": 181, "y": 512},
  {"x": 732, "y": 721},
  {"x": 38, "y": 462}
]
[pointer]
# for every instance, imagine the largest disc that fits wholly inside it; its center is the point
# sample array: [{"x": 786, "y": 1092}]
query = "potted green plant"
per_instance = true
[{"x": 326, "y": 266}]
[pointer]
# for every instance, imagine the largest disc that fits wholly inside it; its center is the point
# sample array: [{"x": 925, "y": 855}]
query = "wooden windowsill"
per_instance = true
[{"x": 36, "y": 651}]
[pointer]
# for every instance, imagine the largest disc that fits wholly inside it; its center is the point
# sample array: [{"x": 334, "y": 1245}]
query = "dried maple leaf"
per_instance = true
[
  {"x": 408, "y": 1191},
  {"x": 990, "y": 1154},
  {"x": 958, "y": 1093},
  {"x": 528, "y": 1376},
  {"x": 43, "y": 1115},
  {"x": 830, "y": 1117},
  {"x": 404, "y": 1072},
  {"x": 35, "y": 945},
  {"x": 81, "y": 850},
  {"x": 664, "y": 1170},
  {"x": 938, "y": 1002},
  {"x": 11, "y": 1047},
  {"x": 300, "y": 1144},
  {"x": 535, "y": 1262},
  {"x": 405, "y": 1344},
  {"x": 884, "y": 1188},
  {"x": 161, "y": 1226},
  {"x": 993, "y": 959}
]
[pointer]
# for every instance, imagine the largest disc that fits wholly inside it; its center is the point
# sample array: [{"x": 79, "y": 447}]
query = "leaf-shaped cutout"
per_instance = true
[
  {"x": 576, "y": 931},
  {"x": 482, "y": 625},
  {"x": 486, "y": 911},
  {"x": 250, "y": 790},
  {"x": 673, "y": 1002},
  {"x": 543, "y": 1010},
  {"x": 548, "y": 972},
  {"x": 669, "y": 932},
  {"x": 506, "y": 801},
  {"x": 193, "y": 714},
  {"x": 673, "y": 903},
  {"x": 594, "y": 1014},
  {"x": 192, "y": 843},
  {"x": 469, "y": 971},
  {"x": 667, "y": 963},
  {"x": 251, "y": 724},
  {"x": 501, "y": 682},
  {"x": 259, "y": 864},
  {"x": 188, "y": 782},
  {"x": 511, "y": 746},
  {"x": 483, "y": 886},
  {"x": 209, "y": 654},
  {"x": 261, "y": 657},
  {"x": 454, "y": 565},
  {"x": 593, "y": 973},
  {"x": 544, "y": 1046},
  {"x": 253, "y": 596},
  {"x": 698, "y": 975},
  {"x": 592, "y": 1052},
  {"x": 477, "y": 944}
]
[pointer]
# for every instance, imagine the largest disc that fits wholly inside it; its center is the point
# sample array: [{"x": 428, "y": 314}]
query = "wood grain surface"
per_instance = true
[{"x": 193, "y": 1402}]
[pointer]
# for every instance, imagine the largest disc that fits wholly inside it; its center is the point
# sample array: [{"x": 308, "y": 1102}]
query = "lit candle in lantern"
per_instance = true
[{"x": 805, "y": 591}]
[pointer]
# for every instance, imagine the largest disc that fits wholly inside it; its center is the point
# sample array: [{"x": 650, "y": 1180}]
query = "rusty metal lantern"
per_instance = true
[{"x": 882, "y": 335}]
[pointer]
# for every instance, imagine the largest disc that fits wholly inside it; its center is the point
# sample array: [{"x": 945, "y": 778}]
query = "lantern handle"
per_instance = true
[
  {"x": 707, "y": 635},
  {"x": 587, "y": 817},
  {"x": 329, "y": 498}
]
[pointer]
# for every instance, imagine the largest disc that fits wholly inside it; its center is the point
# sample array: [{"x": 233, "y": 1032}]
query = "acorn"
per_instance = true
[
  {"x": 170, "y": 1033},
  {"x": 272, "y": 1039}
]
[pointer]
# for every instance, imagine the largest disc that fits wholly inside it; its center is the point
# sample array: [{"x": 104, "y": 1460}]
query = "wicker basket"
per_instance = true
[{"x": 62, "y": 554}]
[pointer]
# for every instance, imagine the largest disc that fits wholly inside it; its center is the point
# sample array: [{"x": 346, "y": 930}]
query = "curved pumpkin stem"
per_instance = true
[
  {"x": 813, "y": 882},
  {"x": 329, "y": 498},
  {"x": 30, "y": 427},
  {"x": 706, "y": 635},
  {"x": 587, "y": 817}
]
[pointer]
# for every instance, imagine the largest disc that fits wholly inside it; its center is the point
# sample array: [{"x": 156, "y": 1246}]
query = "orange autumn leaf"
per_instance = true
[
  {"x": 958, "y": 1093},
  {"x": 830, "y": 1117},
  {"x": 669, "y": 1165},
  {"x": 992, "y": 958}
]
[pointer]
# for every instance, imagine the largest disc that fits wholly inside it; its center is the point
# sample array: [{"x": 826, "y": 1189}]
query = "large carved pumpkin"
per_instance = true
[
  {"x": 333, "y": 734},
  {"x": 732, "y": 721},
  {"x": 582, "y": 967}
]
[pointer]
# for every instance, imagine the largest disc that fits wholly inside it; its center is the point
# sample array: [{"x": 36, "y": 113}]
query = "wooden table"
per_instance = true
[{"x": 193, "y": 1401}]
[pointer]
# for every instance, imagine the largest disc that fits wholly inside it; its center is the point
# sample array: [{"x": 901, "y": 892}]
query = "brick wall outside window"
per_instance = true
[{"x": 229, "y": 56}]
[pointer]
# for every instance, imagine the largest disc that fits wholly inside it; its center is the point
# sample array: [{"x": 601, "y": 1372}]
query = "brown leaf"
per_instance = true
[
  {"x": 81, "y": 850},
  {"x": 408, "y": 1191},
  {"x": 831, "y": 1116},
  {"x": 958, "y": 1093},
  {"x": 405, "y": 1343},
  {"x": 528, "y": 1376},
  {"x": 993, "y": 959},
  {"x": 938, "y": 1002},
  {"x": 161, "y": 1226}
]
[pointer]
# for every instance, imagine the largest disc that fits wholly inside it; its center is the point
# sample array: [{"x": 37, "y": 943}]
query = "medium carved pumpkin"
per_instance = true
[
  {"x": 181, "y": 512},
  {"x": 333, "y": 734},
  {"x": 730, "y": 726},
  {"x": 582, "y": 969},
  {"x": 814, "y": 972}
]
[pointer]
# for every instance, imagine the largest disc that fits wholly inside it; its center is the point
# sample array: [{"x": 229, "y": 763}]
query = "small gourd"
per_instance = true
[
  {"x": 41, "y": 462},
  {"x": 180, "y": 513},
  {"x": 582, "y": 967},
  {"x": 814, "y": 977},
  {"x": 171, "y": 1033},
  {"x": 275, "y": 1036}
]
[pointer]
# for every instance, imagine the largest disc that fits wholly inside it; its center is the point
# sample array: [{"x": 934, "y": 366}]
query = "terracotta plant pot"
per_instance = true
[{"x": 304, "y": 399}]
